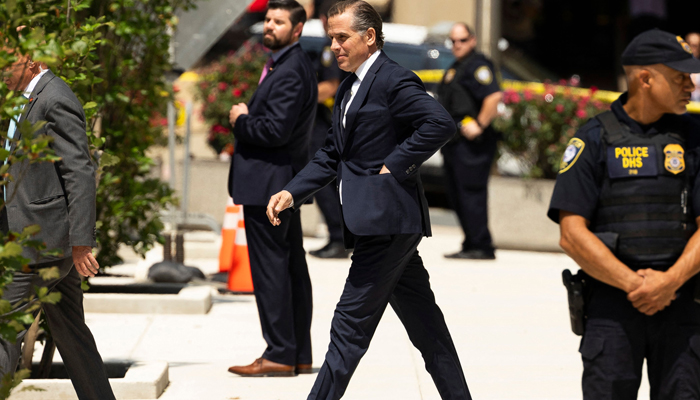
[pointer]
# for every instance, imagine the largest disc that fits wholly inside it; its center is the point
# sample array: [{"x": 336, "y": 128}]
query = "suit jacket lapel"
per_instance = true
[
  {"x": 357, "y": 101},
  {"x": 28, "y": 107},
  {"x": 359, "y": 98},
  {"x": 286, "y": 55}
]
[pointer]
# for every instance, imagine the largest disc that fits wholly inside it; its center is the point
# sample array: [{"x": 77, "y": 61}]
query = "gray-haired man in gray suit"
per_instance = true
[{"x": 60, "y": 198}]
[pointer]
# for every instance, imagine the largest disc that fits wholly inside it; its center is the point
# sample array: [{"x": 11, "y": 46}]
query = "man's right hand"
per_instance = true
[
  {"x": 84, "y": 261},
  {"x": 278, "y": 203}
]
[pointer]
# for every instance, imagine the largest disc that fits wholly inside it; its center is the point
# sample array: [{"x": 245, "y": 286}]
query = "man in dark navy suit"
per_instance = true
[
  {"x": 272, "y": 141},
  {"x": 384, "y": 127}
]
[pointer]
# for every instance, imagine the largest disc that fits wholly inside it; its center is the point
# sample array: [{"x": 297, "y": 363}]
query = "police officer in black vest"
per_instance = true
[
  {"x": 627, "y": 202},
  {"x": 470, "y": 93},
  {"x": 329, "y": 76}
]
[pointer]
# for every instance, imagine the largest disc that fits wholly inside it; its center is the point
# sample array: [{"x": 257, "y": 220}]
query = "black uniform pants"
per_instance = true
[
  {"x": 67, "y": 322},
  {"x": 282, "y": 284},
  {"x": 467, "y": 167},
  {"x": 618, "y": 339},
  {"x": 327, "y": 198},
  {"x": 388, "y": 269}
]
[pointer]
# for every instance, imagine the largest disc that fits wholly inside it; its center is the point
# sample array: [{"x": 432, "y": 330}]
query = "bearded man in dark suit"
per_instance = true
[
  {"x": 385, "y": 126},
  {"x": 272, "y": 145}
]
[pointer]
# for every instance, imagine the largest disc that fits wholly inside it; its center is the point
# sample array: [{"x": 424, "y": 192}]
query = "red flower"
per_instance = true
[
  {"x": 211, "y": 98},
  {"x": 527, "y": 95},
  {"x": 222, "y": 86},
  {"x": 228, "y": 149},
  {"x": 593, "y": 89},
  {"x": 245, "y": 86},
  {"x": 176, "y": 88},
  {"x": 560, "y": 108},
  {"x": 581, "y": 113},
  {"x": 563, "y": 82},
  {"x": 220, "y": 129},
  {"x": 236, "y": 92}
]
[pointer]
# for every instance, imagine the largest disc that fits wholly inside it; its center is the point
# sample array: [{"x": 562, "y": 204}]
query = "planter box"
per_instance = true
[{"x": 142, "y": 380}]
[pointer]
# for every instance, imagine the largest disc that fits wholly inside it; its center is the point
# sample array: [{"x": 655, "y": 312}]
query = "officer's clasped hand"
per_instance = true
[{"x": 655, "y": 293}]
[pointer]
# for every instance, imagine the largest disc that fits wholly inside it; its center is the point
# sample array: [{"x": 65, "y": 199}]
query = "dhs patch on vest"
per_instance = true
[{"x": 632, "y": 161}]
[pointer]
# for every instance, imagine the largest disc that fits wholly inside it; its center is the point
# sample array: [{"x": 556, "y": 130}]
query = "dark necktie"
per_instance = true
[{"x": 346, "y": 99}]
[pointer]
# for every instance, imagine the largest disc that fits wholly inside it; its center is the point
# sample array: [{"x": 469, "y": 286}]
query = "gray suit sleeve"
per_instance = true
[{"x": 66, "y": 125}]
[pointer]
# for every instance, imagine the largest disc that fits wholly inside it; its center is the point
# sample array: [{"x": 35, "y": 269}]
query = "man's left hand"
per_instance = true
[
  {"x": 471, "y": 130},
  {"x": 236, "y": 111},
  {"x": 656, "y": 292},
  {"x": 84, "y": 261}
]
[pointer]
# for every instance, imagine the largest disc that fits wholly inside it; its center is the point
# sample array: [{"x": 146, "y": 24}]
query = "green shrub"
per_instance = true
[
  {"x": 231, "y": 80},
  {"x": 536, "y": 127}
]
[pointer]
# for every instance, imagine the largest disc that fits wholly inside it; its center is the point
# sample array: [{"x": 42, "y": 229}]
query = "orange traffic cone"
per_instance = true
[
  {"x": 228, "y": 235},
  {"x": 239, "y": 277}
]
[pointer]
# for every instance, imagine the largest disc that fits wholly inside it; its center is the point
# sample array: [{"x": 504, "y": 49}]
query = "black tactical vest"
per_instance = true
[
  {"x": 453, "y": 96},
  {"x": 644, "y": 210}
]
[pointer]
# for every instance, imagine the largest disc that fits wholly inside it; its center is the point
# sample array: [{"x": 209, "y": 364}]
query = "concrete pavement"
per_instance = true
[{"x": 508, "y": 319}]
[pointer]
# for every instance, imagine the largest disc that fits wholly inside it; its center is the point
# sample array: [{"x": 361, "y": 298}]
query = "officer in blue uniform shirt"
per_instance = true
[
  {"x": 469, "y": 91},
  {"x": 329, "y": 76},
  {"x": 627, "y": 202}
]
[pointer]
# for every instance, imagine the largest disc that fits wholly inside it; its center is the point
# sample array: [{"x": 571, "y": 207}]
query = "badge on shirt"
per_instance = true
[
  {"x": 632, "y": 161},
  {"x": 450, "y": 75},
  {"x": 327, "y": 57},
  {"x": 674, "y": 163},
  {"x": 484, "y": 75},
  {"x": 571, "y": 154},
  {"x": 684, "y": 44}
]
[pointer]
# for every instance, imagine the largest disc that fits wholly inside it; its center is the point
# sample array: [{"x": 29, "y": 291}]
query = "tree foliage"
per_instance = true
[{"x": 114, "y": 55}]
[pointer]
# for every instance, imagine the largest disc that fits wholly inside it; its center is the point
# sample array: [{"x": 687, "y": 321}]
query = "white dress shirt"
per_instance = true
[{"x": 361, "y": 73}]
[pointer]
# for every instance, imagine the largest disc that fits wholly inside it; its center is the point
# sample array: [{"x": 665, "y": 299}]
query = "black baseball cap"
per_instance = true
[{"x": 659, "y": 47}]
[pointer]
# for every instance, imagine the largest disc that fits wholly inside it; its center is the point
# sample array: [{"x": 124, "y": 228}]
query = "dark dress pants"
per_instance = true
[
  {"x": 467, "y": 167},
  {"x": 618, "y": 339},
  {"x": 388, "y": 269},
  {"x": 282, "y": 284},
  {"x": 327, "y": 198},
  {"x": 329, "y": 204},
  {"x": 67, "y": 323}
]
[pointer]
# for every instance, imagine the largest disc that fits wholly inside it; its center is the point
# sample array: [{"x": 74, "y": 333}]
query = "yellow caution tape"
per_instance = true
[{"x": 435, "y": 76}]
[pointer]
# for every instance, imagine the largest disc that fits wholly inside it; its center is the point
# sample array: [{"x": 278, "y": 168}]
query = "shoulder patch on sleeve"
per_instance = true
[
  {"x": 571, "y": 154},
  {"x": 484, "y": 75}
]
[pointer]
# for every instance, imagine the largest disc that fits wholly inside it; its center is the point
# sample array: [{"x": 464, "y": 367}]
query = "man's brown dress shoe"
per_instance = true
[
  {"x": 304, "y": 369},
  {"x": 263, "y": 367}
]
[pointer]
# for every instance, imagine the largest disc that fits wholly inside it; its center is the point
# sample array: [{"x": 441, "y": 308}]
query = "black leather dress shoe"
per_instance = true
[
  {"x": 473, "y": 254},
  {"x": 331, "y": 250}
]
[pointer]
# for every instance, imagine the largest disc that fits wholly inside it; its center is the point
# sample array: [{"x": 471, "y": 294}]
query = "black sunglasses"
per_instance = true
[{"x": 454, "y": 41}]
